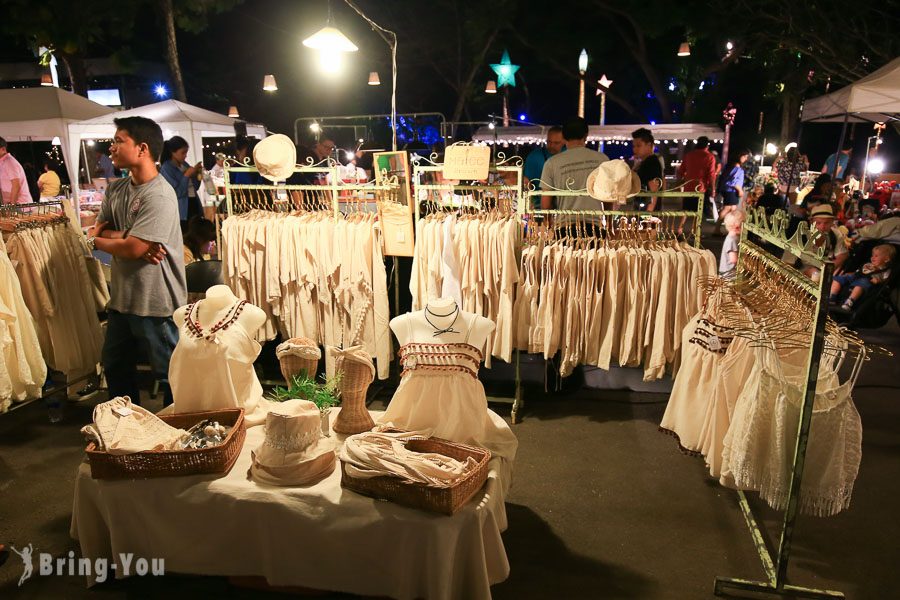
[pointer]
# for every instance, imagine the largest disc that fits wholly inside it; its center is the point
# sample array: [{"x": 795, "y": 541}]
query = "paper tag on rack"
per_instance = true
[
  {"x": 281, "y": 194},
  {"x": 467, "y": 162},
  {"x": 123, "y": 411},
  {"x": 401, "y": 237},
  {"x": 714, "y": 344}
]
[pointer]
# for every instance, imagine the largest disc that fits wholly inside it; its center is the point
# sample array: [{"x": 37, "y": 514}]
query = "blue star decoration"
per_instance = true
[{"x": 506, "y": 71}]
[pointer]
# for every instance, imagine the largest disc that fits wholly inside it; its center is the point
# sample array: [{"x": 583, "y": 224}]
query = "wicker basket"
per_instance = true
[
  {"x": 292, "y": 364},
  {"x": 171, "y": 463},
  {"x": 354, "y": 417},
  {"x": 418, "y": 495}
]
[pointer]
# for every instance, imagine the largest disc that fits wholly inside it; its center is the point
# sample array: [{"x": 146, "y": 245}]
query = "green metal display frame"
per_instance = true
[
  {"x": 801, "y": 244},
  {"x": 423, "y": 167}
]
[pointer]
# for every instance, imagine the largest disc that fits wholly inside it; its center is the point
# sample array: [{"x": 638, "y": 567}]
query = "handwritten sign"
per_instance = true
[{"x": 467, "y": 162}]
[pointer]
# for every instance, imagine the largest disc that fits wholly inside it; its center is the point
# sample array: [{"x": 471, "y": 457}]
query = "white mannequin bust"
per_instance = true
[
  {"x": 219, "y": 300},
  {"x": 413, "y": 326}
]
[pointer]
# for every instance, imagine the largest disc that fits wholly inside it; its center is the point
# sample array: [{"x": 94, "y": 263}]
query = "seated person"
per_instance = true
[
  {"x": 770, "y": 201},
  {"x": 200, "y": 235},
  {"x": 822, "y": 220},
  {"x": 872, "y": 273}
]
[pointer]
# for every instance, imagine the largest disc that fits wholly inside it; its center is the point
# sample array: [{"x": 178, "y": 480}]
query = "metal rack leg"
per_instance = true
[{"x": 517, "y": 399}]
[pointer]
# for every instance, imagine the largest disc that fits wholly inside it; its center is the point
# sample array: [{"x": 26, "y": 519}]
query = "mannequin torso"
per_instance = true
[
  {"x": 443, "y": 316},
  {"x": 216, "y": 306}
]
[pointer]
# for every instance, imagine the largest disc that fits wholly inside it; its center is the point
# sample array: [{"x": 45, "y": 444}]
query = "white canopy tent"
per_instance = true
[
  {"x": 537, "y": 134},
  {"x": 875, "y": 98},
  {"x": 44, "y": 113},
  {"x": 174, "y": 117}
]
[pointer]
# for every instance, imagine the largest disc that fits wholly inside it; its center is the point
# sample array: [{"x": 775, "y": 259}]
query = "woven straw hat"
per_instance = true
[
  {"x": 275, "y": 157},
  {"x": 613, "y": 181},
  {"x": 294, "y": 452}
]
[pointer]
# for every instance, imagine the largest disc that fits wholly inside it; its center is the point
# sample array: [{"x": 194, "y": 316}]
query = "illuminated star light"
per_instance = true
[
  {"x": 603, "y": 84},
  {"x": 506, "y": 71},
  {"x": 160, "y": 90}
]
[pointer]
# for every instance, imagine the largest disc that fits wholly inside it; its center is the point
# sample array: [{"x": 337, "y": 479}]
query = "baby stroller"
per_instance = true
[{"x": 879, "y": 304}]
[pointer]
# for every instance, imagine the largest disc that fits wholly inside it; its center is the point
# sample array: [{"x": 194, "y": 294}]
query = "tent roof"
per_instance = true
[
  {"x": 874, "y": 98},
  {"x": 537, "y": 134},
  {"x": 171, "y": 111},
  {"x": 35, "y": 104}
]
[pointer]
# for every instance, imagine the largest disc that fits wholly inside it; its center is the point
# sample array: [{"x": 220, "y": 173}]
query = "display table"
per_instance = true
[{"x": 322, "y": 537}]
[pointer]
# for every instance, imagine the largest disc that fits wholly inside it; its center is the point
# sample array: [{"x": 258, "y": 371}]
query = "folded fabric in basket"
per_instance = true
[
  {"x": 379, "y": 454},
  {"x": 121, "y": 427}
]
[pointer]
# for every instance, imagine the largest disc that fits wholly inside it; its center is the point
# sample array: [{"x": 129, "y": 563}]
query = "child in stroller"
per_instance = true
[
  {"x": 866, "y": 291},
  {"x": 860, "y": 281}
]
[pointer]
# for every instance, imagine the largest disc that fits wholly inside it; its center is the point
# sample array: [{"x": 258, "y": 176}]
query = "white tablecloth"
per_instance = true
[{"x": 322, "y": 537}]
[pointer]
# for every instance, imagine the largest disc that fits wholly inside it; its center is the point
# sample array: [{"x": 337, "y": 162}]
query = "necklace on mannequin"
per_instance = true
[{"x": 438, "y": 330}]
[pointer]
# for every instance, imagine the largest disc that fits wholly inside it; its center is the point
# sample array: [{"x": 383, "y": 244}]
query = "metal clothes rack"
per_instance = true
[
  {"x": 510, "y": 195},
  {"x": 801, "y": 244},
  {"x": 697, "y": 214}
]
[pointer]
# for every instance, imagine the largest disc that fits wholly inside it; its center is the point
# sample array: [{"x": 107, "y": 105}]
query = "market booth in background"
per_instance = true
[
  {"x": 42, "y": 114},
  {"x": 175, "y": 118}
]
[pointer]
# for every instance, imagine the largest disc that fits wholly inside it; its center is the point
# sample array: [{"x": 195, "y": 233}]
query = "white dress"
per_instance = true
[
  {"x": 758, "y": 449},
  {"x": 439, "y": 393},
  {"x": 211, "y": 370}
]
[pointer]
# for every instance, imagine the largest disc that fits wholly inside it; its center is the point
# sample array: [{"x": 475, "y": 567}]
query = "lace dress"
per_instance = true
[
  {"x": 758, "y": 449},
  {"x": 440, "y": 393}
]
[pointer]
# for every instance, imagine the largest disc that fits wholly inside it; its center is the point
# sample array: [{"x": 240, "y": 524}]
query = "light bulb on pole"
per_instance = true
[{"x": 582, "y": 69}]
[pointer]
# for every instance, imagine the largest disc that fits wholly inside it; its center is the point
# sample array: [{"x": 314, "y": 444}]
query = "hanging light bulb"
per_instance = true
[
  {"x": 330, "y": 62},
  {"x": 491, "y": 87},
  {"x": 56, "y": 141},
  {"x": 269, "y": 84},
  {"x": 684, "y": 49},
  {"x": 46, "y": 80},
  {"x": 233, "y": 112},
  {"x": 374, "y": 79}
]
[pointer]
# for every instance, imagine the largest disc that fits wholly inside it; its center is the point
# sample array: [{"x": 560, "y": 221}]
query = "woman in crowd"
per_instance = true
[
  {"x": 732, "y": 186},
  {"x": 181, "y": 177}
]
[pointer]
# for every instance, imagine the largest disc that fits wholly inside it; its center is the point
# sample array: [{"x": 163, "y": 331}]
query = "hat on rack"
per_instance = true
[
  {"x": 294, "y": 452},
  {"x": 613, "y": 181},
  {"x": 275, "y": 157},
  {"x": 822, "y": 210}
]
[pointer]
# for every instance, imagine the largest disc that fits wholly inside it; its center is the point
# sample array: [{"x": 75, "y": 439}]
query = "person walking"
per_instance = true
[
  {"x": 732, "y": 186},
  {"x": 649, "y": 167},
  {"x": 139, "y": 226}
]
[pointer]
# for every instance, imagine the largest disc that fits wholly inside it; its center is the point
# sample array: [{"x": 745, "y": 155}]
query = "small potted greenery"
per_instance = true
[{"x": 325, "y": 395}]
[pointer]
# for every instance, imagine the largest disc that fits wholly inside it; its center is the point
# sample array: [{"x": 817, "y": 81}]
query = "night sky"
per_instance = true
[{"x": 225, "y": 65}]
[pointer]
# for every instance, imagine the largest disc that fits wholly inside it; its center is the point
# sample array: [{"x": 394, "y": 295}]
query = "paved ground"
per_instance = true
[{"x": 602, "y": 506}]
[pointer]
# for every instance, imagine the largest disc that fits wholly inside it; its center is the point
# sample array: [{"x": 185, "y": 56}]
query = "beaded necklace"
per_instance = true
[{"x": 196, "y": 329}]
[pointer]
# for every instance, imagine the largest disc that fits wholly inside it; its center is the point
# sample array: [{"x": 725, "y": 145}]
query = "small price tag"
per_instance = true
[
  {"x": 123, "y": 411},
  {"x": 714, "y": 344},
  {"x": 401, "y": 236}
]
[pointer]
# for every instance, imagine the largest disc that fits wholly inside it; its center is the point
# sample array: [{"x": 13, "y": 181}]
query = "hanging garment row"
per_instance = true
[
  {"x": 607, "y": 297},
  {"x": 314, "y": 274},
  {"x": 471, "y": 258},
  {"x": 62, "y": 287},
  {"x": 22, "y": 370},
  {"x": 737, "y": 398}
]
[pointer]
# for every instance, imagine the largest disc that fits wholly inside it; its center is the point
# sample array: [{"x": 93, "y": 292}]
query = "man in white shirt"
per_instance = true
[{"x": 570, "y": 169}]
